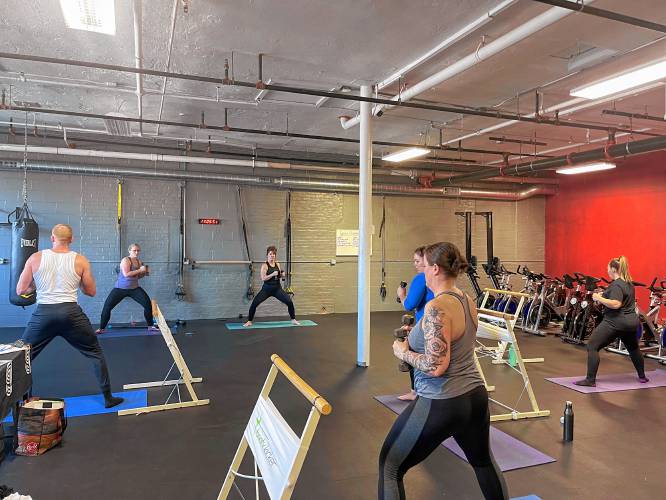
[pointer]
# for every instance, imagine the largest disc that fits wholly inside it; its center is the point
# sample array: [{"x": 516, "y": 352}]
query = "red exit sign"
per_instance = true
[{"x": 212, "y": 222}]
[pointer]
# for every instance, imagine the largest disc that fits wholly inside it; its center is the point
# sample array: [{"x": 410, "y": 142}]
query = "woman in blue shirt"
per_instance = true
[{"x": 415, "y": 299}]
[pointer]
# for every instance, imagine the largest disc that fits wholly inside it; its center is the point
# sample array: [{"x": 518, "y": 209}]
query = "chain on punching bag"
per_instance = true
[{"x": 25, "y": 237}]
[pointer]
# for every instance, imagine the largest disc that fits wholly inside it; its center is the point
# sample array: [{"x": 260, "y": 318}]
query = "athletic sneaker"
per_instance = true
[{"x": 643, "y": 380}]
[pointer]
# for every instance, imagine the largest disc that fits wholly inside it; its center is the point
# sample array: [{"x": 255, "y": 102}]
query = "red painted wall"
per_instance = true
[{"x": 601, "y": 215}]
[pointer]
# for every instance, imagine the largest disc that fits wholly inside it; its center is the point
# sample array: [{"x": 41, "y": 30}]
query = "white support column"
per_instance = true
[{"x": 364, "y": 230}]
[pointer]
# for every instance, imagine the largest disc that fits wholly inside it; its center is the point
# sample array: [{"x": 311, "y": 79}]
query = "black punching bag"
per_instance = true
[{"x": 25, "y": 240}]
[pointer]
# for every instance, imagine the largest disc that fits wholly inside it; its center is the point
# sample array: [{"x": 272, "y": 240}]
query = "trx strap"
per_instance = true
[
  {"x": 119, "y": 221},
  {"x": 287, "y": 229},
  {"x": 181, "y": 293},
  {"x": 382, "y": 236},
  {"x": 249, "y": 294}
]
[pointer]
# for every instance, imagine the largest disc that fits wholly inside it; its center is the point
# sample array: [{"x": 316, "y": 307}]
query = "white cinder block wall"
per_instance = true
[{"x": 151, "y": 218}]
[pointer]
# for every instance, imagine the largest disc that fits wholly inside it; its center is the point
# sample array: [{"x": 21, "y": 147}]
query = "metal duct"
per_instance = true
[
  {"x": 230, "y": 162},
  {"x": 294, "y": 183},
  {"x": 614, "y": 151}
]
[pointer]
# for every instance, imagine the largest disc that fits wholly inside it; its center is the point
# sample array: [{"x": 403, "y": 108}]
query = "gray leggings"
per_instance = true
[{"x": 422, "y": 427}]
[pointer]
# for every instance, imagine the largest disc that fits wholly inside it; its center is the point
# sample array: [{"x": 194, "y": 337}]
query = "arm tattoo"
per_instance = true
[{"x": 436, "y": 345}]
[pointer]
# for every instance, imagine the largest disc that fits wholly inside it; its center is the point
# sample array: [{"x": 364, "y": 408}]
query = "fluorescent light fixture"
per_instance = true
[
  {"x": 406, "y": 154},
  {"x": 615, "y": 84},
  {"x": 588, "y": 167},
  {"x": 90, "y": 15}
]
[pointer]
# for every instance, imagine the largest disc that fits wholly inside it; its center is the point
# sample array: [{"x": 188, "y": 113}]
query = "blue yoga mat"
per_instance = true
[
  {"x": 129, "y": 332},
  {"x": 270, "y": 324},
  {"x": 80, "y": 406},
  {"x": 528, "y": 497},
  {"x": 510, "y": 453}
]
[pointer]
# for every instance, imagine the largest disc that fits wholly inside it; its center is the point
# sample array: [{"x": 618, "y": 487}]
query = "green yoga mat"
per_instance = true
[{"x": 270, "y": 324}]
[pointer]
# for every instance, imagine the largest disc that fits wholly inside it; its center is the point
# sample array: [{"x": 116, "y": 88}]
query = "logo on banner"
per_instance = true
[
  {"x": 29, "y": 243},
  {"x": 260, "y": 434}
]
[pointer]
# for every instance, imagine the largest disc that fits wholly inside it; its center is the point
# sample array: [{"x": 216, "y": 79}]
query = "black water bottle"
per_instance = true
[{"x": 568, "y": 429}]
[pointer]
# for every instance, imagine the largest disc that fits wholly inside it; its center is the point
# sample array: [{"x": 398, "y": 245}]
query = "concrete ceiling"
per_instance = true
[{"x": 326, "y": 45}]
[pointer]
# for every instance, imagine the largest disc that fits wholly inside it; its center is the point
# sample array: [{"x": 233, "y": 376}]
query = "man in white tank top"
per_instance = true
[{"x": 56, "y": 275}]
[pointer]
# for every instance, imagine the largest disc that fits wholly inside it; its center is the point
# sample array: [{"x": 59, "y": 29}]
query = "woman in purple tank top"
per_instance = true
[{"x": 127, "y": 285}]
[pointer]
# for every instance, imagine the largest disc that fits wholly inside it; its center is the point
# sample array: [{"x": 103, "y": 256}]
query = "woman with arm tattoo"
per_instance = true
[{"x": 451, "y": 397}]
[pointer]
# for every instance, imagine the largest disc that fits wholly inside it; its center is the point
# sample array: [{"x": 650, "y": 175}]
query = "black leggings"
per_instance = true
[
  {"x": 117, "y": 294},
  {"x": 272, "y": 291},
  {"x": 422, "y": 427},
  {"x": 606, "y": 333},
  {"x": 68, "y": 321}
]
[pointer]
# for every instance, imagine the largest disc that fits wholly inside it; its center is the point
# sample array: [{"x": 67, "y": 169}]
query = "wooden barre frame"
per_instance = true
[
  {"x": 323, "y": 406},
  {"x": 505, "y": 336},
  {"x": 319, "y": 407},
  {"x": 497, "y": 314},
  {"x": 178, "y": 361},
  {"x": 507, "y": 292}
]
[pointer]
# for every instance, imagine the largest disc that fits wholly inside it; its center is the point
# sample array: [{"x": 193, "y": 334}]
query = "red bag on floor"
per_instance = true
[{"x": 41, "y": 425}]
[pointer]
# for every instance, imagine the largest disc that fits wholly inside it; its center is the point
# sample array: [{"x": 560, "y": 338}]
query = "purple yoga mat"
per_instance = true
[
  {"x": 509, "y": 452},
  {"x": 616, "y": 382}
]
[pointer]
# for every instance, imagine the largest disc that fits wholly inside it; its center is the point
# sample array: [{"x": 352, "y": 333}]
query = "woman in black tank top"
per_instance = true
[
  {"x": 620, "y": 321},
  {"x": 270, "y": 275}
]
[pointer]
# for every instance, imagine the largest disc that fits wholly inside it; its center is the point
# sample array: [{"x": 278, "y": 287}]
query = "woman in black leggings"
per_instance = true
[
  {"x": 127, "y": 285},
  {"x": 451, "y": 396},
  {"x": 620, "y": 321},
  {"x": 270, "y": 275}
]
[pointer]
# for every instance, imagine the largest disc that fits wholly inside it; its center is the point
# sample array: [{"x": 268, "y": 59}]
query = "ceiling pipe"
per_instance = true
[
  {"x": 562, "y": 109},
  {"x": 507, "y": 40},
  {"x": 610, "y": 151},
  {"x": 578, "y": 145},
  {"x": 607, "y": 14},
  {"x": 448, "y": 42},
  {"x": 116, "y": 87},
  {"x": 229, "y": 162},
  {"x": 292, "y": 183},
  {"x": 345, "y": 166},
  {"x": 636, "y": 116},
  {"x": 322, "y": 93},
  {"x": 174, "y": 14},
  {"x": 416, "y": 173},
  {"x": 138, "y": 58},
  {"x": 227, "y": 128}
]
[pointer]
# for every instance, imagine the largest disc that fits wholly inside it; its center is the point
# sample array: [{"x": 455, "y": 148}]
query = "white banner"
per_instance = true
[{"x": 273, "y": 444}]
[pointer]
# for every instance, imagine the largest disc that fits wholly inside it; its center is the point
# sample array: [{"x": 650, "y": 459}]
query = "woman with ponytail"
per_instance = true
[
  {"x": 620, "y": 321},
  {"x": 451, "y": 396}
]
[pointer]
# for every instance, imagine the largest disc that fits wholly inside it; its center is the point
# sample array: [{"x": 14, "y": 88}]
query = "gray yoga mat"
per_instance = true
[
  {"x": 510, "y": 453},
  {"x": 616, "y": 382}
]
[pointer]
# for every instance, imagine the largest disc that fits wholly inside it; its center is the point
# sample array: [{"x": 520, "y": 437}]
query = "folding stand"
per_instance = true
[
  {"x": 509, "y": 320},
  {"x": 185, "y": 375},
  {"x": 501, "y": 330},
  {"x": 278, "y": 452}
]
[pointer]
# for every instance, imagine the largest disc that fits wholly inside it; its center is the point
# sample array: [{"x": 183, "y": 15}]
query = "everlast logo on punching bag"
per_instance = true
[{"x": 28, "y": 243}]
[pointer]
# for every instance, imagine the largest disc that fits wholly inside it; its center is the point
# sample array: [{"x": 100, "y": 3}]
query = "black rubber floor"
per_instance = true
[{"x": 618, "y": 452}]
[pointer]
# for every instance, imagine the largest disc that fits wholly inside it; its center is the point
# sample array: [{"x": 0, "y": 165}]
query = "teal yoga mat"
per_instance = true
[{"x": 270, "y": 324}]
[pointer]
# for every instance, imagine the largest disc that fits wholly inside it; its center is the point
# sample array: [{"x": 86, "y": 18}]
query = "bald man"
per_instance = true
[{"x": 56, "y": 275}]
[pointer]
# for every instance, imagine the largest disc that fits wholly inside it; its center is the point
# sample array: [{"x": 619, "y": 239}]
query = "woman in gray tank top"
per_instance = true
[{"x": 451, "y": 397}]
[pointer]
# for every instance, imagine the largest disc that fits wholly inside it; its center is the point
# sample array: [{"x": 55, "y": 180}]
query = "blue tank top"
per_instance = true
[
  {"x": 462, "y": 375},
  {"x": 128, "y": 282}
]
